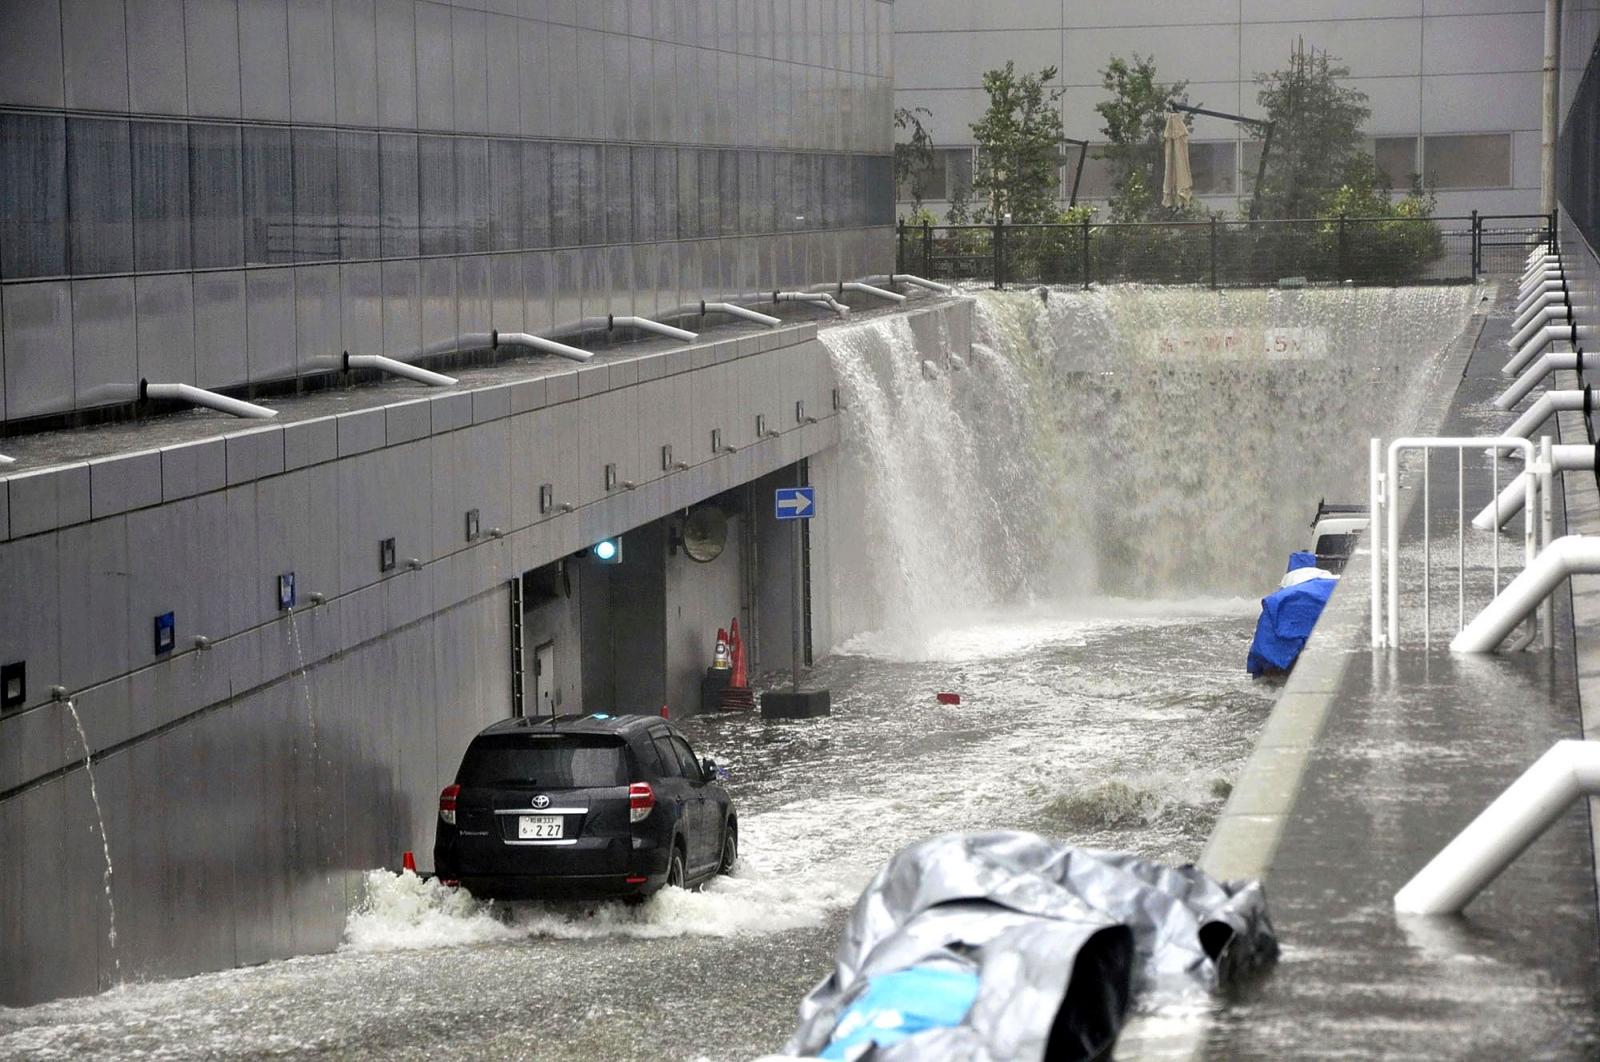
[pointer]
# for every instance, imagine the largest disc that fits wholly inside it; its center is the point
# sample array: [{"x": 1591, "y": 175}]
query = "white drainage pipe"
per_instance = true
[
  {"x": 1547, "y": 364},
  {"x": 1542, "y": 256},
  {"x": 820, "y": 297},
  {"x": 1564, "y": 458},
  {"x": 735, "y": 310},
  {"x": 541, "y": 344},
  {"x": 1569, "y": 333},
  {"x": 396, "y": 367},
  {"x": 1566, "y": 556},
  {"x": 1548, "y": 258},
  {"x": 4, "y": 460},
  {"x": 645, "y": 324},
  {"x": 1538, "y": 297},
  {"x": 199, "y": 396},
  {"x": 868, "y": 289},
  {"x": 918, "y": 282},
  {"x": 1555, "y": 310},
  {"x": 1547, "y": 316},
  {"x": 1549, "y": 274},
  {"x": 1549, "y": 404},
  {"x": 1513, "y": 821}
]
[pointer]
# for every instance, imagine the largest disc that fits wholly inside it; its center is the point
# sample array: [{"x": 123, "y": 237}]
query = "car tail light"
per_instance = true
[
  {"x": 447, "y": 804},
  {"x": 641, "y": 799}
]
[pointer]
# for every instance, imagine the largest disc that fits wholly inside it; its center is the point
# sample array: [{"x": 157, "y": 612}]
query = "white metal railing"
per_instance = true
[
  {"x": 1384, "y": 532},
  {"x": 1505, "y": 829}
]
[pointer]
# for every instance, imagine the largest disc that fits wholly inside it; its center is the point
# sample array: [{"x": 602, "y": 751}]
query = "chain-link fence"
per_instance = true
[{"x": 1387, "y": 251}]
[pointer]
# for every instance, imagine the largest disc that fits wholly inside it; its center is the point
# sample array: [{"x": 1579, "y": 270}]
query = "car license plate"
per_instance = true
[{"x": 539, "y": 827}]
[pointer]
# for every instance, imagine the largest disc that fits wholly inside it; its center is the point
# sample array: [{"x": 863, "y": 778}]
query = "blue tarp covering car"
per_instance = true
[{"x": 1288, "y": 615}]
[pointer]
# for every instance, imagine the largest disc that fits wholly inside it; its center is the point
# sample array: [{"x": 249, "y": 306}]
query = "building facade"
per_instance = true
[
  {"x": 232, "y": 193},
  {"x": 1453, "y": 84}
]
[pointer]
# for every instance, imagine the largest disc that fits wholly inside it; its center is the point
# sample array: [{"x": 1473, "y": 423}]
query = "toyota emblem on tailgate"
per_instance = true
[{"x": 541, "y": 801}]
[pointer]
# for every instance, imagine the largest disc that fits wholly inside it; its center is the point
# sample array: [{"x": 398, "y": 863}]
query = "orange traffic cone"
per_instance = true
[
  {"x": 408, "y": 862},
  {"x": 740, "y": 678},
  {"x": 737, "y": 694}
]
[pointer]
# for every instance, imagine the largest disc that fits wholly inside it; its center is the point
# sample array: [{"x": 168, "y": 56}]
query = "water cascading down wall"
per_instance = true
[{"x": 1125, "y": 442}]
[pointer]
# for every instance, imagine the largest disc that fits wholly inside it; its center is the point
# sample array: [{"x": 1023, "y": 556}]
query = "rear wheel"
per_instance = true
[
  {"x": 675, "y": 869},
  {"x": 730, "y": 848}
]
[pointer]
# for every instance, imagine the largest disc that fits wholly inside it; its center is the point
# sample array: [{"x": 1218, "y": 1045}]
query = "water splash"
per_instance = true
[
  {"x": 1128, "y": 442},
  {"x": 305, "y": 687},
  {"x": 100, "y": 821}
]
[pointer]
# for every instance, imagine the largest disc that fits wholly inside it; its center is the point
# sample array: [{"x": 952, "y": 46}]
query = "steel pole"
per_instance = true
[{"x": 799, "y": 594}]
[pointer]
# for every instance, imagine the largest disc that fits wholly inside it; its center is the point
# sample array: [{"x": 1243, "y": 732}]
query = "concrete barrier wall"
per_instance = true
[{"x": 246, "y": 786}]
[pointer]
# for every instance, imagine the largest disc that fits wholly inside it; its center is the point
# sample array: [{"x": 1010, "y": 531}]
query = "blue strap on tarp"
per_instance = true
[
  {"x": 901, "y": 1004},
  {"x": 1301, "y": 558}
]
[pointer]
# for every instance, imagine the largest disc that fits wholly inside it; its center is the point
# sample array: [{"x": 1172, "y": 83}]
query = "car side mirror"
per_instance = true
[{"x": 709, "y": 766}]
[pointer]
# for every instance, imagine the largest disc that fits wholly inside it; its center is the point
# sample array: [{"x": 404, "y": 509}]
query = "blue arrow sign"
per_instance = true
[{"x": 796, "y": 503}]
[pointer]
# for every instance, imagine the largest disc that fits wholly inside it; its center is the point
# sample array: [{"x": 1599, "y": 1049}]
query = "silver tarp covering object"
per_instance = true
[{"x": 1056, "y": 941}]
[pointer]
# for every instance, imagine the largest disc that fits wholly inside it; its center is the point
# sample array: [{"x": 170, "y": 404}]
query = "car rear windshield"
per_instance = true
[{"x": 575, "y": 761}]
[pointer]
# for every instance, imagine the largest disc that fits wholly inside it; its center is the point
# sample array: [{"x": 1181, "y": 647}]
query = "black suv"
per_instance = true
[{"x": 583, "y": 806}]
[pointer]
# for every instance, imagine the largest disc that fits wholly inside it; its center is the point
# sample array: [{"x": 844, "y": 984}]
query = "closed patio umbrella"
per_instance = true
[{"x": 1178, "y": 185}]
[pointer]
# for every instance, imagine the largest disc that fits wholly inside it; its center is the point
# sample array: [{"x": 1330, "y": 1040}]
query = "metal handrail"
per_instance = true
[{"x": 1384, "y": 533}]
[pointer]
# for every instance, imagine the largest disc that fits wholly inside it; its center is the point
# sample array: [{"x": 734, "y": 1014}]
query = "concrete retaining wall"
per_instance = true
[{"x": 246, "y": 786}]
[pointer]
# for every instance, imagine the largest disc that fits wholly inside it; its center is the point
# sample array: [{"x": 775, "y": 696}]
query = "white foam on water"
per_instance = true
[
  {"x": 971, "y": 635},
  {"x": 403, "y": 911}
]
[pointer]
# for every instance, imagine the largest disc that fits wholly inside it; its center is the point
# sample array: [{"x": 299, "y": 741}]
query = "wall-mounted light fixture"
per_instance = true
[
  {"x": 611, "y": 477},
  {"x": 472, "y": 525},
  {"x": 386, "y": 555},
  {"x": 166, "y": 633},
  {"x": 547, "y": 498},
  {"x": 286, "y": 591},
  {"x": 13, "y": 684}
]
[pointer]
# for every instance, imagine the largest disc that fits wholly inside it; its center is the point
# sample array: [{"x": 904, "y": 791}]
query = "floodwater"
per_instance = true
[{"x": 1116, "y": 724}]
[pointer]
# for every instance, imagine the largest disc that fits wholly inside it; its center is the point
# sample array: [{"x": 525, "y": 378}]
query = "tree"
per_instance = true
[
  {"x": 1135, "y": 117},
  {"x": 914, "y": 156},
  {"x": 1019, "y": 147},
  {"x": 1316, "y": 132}
]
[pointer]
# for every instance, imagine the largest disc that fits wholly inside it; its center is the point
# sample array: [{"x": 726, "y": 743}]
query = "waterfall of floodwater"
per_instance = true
[
  {"x": 100, "y": 821},
  {"x": 1130, "y": 441}
]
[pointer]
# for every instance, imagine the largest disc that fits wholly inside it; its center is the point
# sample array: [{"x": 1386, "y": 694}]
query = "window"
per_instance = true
[
  {"x": 1397, "y": 157},
  {"x": 691, "y": 766},
  {"x": 949, "y": 171},
  {"x": 649, "y": 757},
  {"x": 215, "y": 191},
  {"x": 1096, "y": 181},
  {"x": 99, "y": 194},
  {"x": 33, "y": 198},
  {"x": 569, "y": 761},
  {"x": 670, "y": 767},
  {"x": 1211, "y": 166},
  {"x": 160, "y": 195},
  {"x": 1472, "y": 161}
]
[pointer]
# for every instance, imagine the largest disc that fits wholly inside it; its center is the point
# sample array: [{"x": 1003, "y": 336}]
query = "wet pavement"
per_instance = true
[
  {"x": 1415, "y": 744},
  {"x": 1114, "y": 724}
]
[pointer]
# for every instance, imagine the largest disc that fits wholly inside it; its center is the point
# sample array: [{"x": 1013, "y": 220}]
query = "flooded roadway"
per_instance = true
[{"x": 1117, "y": 724}]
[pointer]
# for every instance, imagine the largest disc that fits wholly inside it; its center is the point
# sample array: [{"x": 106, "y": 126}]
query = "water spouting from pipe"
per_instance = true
[{"x": 100, "y": 823}]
